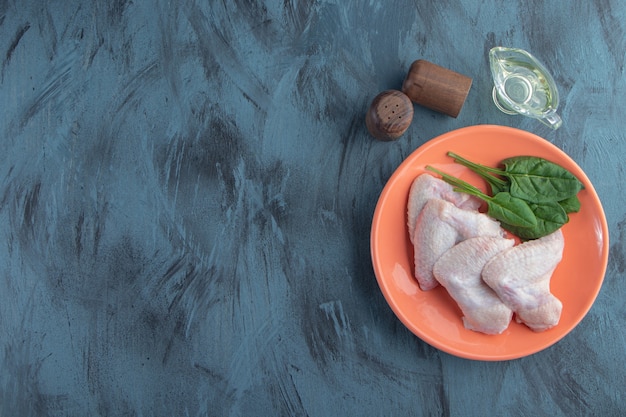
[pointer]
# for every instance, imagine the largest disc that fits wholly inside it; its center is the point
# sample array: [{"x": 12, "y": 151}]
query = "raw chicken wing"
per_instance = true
[
  {"x": 521, "y": 278},
  {"x": 426, "y": 187},
  {"x": 439, "y": 226},
  {"x": 459, "y": 271}
]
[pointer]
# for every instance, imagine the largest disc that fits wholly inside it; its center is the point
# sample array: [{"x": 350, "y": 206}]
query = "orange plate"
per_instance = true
[{"x": 433, "y": 316}]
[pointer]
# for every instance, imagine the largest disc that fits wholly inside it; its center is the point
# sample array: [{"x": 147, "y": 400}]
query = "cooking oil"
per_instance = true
[{"x": 523, "y": 86}]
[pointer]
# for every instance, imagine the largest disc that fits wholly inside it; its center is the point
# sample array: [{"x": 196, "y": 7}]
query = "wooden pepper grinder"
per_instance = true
[
  {"x": 389, "y": 115},
  {"x": 436, "y": 88},
  {"x": 426, "y": 84}
]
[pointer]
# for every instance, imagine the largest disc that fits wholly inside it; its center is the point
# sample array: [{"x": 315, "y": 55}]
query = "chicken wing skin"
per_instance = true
[
  {"x": 426, "y": 187},
  {"x": 439, "y": 226},
  {"x": 459, "y": 271},
  {"x": 521, "y": 278}
]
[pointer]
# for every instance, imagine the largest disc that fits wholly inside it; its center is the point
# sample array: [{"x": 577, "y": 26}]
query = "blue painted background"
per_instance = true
[{"x": 187, "y": 188}]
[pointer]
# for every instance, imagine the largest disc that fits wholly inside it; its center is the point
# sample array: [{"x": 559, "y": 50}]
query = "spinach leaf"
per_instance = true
[
  {"x": 531, "y": 178},
  {"x": 538, "y": 180},
  {"x": 511, "y": 210},
  {"x": 550, "y": 217},
  {"x": 571, "y": 205}
]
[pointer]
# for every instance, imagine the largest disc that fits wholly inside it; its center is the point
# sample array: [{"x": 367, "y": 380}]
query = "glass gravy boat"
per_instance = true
[{"x": 523, "y": 86}]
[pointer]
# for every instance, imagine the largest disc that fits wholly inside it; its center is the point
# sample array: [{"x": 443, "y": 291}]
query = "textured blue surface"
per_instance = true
[{"x": 187, "y": 190}]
